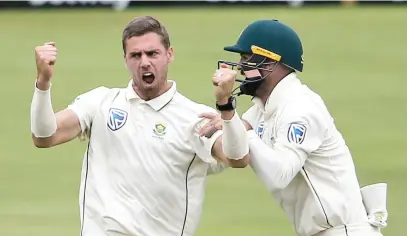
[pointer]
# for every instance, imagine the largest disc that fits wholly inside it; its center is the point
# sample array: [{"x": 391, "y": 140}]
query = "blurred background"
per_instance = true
[{"x": 355, "y": 58}]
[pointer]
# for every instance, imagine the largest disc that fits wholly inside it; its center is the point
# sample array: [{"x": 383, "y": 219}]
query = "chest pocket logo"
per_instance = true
[
  {"x": 159, "y": 128},
  {"x": 260, "y": 129},
  {"x": 117, "y": 119}
]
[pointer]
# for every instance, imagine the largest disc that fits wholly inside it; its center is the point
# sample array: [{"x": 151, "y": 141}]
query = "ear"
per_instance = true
[
  {"x": 125, "y": 61},
  {"x": 170, "y": 54}
]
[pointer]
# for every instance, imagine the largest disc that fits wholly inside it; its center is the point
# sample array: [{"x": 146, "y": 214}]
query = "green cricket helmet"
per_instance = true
[{"x": 264, "y": 40}]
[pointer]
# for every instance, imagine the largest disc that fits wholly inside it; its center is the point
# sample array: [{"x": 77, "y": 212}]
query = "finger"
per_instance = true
[
  {"x": 206, "y": 128},
  {"x": 210, "y": 125},
  {"x": 47, "y": 57},
  {"x": 208, "y": 115},
  {"x": 215, "y": 81},
  {"x": 210, "y": 132},
  {"x": 50, "y": 53},
  {"x": 218, "y": 73},
  {"x": 218, "y": 125},
  {"x": 227, "y": 71},
  {"x": 49, "y": 49},
  {"x": 50, "y": 60},
  {"x": 223, "y": 65}
]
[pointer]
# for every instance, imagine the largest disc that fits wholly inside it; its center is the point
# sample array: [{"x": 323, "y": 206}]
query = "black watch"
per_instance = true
[{"x": 230, "y": 106}]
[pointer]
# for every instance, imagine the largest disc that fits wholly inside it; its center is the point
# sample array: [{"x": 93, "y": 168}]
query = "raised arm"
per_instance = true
[
  {"x": 49, "y": 129},
  {"x": 233, "y": 146}
]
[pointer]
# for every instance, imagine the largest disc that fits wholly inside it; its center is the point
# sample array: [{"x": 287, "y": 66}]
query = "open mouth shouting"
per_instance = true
[{"x": 148, "y": 77}]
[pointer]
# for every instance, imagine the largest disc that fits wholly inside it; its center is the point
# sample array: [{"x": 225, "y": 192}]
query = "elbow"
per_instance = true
[
  {"x": 275, "y": 185},
  {"x": 41, "y": 142},
  {"x": 280, "y": 185},
  {"x": 279, "y": 182},
  {"x": 41, "y": 145},
  {"x": 241, "y": 163}
]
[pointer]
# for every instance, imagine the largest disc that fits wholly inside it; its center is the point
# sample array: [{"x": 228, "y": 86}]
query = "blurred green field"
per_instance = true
[{"x": 355, "y": 58}]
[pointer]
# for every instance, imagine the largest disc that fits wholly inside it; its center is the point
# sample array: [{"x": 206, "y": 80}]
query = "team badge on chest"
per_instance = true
[
  {"x": 117, "y": 119},
  {"x": 160, "y": 129}
]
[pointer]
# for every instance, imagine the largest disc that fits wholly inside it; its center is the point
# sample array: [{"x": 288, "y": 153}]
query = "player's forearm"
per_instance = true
[
  {"x": 43, "y": 120},
  {"x": 219, "y": 153},
  {"x": 281, "y": 164},
  {"x": 235, "y": 143}
]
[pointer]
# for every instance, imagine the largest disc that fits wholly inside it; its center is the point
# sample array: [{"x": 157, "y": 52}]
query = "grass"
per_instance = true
[{"x": 354, "y": 58}]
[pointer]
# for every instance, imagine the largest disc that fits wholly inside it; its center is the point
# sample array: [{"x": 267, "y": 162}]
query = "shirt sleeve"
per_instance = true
[
  {"x": 300, "y": 130},
  {"x": 217, "y": 168},
  {"x": 86, "y": 105}
]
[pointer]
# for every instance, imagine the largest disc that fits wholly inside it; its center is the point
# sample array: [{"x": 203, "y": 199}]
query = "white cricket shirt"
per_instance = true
[
  {"x": 302, "y": 158},
  {"x": 145, "y": 167}
]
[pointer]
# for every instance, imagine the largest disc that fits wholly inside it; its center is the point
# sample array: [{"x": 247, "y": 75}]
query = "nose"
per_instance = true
[{"x": 145, "y": 61}]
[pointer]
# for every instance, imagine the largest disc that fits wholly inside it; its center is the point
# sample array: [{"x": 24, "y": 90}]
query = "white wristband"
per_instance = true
[
  {"x": 235, "y": 143},
  {"x": 43, "y": 121}
]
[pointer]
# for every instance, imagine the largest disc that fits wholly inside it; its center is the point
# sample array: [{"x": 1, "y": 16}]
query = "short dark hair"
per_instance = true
[{"x": 142, "y": 25}]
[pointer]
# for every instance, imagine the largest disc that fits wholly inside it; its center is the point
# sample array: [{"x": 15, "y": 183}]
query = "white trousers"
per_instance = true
[{"x": 361, "y": 229}]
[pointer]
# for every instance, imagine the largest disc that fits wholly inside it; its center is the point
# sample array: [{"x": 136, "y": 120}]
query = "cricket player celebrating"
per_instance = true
[
  {"x": 296, "y": 150},
  {"x": 145, "y": 167}
]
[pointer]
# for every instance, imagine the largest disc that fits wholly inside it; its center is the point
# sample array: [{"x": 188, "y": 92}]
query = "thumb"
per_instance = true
[{"x": 50, "y": 43}]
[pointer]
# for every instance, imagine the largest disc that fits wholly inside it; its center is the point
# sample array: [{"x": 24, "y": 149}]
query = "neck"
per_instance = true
[
  {"x": 265, "y": 92},
  {"x": 152, "y": 93}
]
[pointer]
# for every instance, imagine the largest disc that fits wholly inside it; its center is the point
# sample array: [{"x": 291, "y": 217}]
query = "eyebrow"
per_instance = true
[
  {"x": 146, "y": 51},
  {"x": 152, "y": 50}
]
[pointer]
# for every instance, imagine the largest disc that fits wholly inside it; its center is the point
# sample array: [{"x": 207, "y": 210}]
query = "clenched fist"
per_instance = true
[
  {"x": 45, "y": 57},
  {"x": 223, "y": 79}
]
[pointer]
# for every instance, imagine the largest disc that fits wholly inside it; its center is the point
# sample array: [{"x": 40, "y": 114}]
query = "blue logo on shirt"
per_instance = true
[
  {"x": 296, "y": 133},
  {"x": 117, "y": 119},
  {"x": 260, "y": 129}
]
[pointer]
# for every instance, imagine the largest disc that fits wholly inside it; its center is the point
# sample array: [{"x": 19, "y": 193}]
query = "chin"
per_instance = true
[{"x": 150, "y": 86}]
